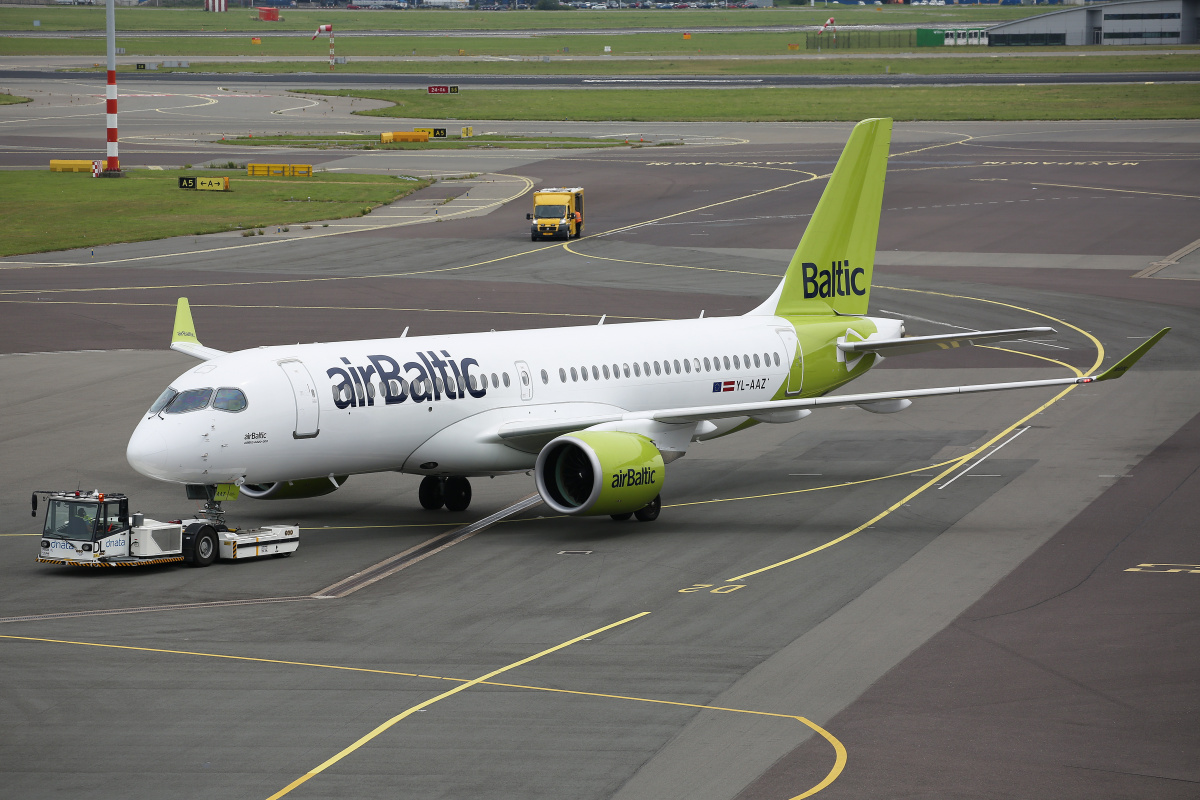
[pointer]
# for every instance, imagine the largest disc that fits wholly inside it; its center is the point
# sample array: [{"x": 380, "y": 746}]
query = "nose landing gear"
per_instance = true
[{"x": 453, "y": 493}]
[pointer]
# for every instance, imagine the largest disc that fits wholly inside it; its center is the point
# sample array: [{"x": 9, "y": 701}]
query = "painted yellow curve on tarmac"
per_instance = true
[
  {"x": 839, "y": 748},
  {"x": 955, "y": 463}
]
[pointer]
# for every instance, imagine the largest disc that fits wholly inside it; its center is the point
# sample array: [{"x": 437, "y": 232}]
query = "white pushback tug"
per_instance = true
[{"x": 95, "y": 529}]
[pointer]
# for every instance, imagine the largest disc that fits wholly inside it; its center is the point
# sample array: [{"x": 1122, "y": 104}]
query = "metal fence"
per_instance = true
[{"x": 860, "y": 40}]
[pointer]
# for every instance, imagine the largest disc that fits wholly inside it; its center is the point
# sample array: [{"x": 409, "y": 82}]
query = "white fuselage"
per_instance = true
[{"x": 431, "y": 404}]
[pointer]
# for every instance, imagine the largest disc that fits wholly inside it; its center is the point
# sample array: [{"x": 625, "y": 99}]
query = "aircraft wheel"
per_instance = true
[
  {"x": 622, "y": 517},
  {"x": 649, "y": 512},
  {"x": 204, "y": 548},
  {"x": 457, "y": 493},
  {"x": 432, "y": 493}
]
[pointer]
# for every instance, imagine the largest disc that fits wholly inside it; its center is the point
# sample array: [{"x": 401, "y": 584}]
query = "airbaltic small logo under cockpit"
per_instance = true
[
  {"x": 837, "y": 281},
  {"x": 430, "y": 378}
]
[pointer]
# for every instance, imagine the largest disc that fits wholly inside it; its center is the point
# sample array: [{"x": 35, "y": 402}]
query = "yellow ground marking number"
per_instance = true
[{"x": 697, "y": 587}]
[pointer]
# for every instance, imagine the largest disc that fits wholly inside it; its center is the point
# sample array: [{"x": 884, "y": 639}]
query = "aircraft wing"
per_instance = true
[
  {"x": 694, "y": 414},
  {"x": 923, "y": 344}
]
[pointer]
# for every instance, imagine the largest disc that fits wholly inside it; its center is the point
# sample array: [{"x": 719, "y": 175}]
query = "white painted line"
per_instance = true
[{"x": 969, "y": 467}]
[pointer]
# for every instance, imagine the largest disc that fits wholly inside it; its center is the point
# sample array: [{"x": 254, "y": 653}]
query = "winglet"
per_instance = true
[
  {"x": 185, "y": 329},
  {"x": 1121, "y": 367},
  {"x": 183, "y": 335}
]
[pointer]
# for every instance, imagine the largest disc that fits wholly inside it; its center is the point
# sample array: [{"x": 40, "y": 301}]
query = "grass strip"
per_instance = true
[
  {"x": 1125, "y": 101},
  {"x": 16, "y": 18},
  {"x": 45, "y": 211},
  {"x": 348, "y": 141},
  {"x": 659, "y": 45},
  {"x": 999, "y": 65},
  {"x": 7, "y": 99}
]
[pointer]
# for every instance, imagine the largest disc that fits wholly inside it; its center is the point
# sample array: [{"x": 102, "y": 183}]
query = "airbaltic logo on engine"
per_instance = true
[
  {"x": 633, "y": 477},
  {"x": 430, "y": 378},
  {"x": 837, "y": 281}
]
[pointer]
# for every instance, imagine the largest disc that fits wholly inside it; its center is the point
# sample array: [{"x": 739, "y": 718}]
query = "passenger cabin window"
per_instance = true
[
  {"x": 727, "y": 362},
  {"x": 167, "y": 396},
  {"x": 506, "y": 381},
  {"x": 625, "y": 369},
  {"x": 545, "y": 377},
  {"x": 562, "y": 375},
  {"x": 707, "y": 366},
  {"x": 606, "y": 372},
  {"x": 776, "y": 359},
  {"x": 756, "y": 359},
  {"x": 666, "y": 366},
  {"x": 657, "y": 369},
  {"x": 231, "y": 400},
  {"x": 191, "y": 400},
  {"x": 637, "y": 370}
]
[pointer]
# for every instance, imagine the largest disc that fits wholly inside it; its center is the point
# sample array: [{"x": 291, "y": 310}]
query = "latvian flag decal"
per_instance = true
[{"x": 727, "y": 386}]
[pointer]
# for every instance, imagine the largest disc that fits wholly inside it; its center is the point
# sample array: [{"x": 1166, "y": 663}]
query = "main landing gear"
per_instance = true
[
  {"x": 647, "y": 513},
  {"x": 453, "y": 493}
]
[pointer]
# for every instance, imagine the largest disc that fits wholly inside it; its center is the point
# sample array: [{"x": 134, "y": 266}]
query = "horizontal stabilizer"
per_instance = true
[{"x": 923, "y": 344}]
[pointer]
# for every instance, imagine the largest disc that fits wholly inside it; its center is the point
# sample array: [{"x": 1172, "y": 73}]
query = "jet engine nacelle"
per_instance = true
[
  {"x": 292, "y": 490},
  {"x": 599, "y": 472}
]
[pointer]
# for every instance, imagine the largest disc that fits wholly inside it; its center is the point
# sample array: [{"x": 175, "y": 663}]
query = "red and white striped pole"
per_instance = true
[
  {"x": 322, "y": 29},
  {"x": 110, "y": 95}
]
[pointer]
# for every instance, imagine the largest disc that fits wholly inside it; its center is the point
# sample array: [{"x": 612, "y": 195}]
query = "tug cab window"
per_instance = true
[
  {"x": 191, "y": 400},
  {"x": 70, "y": 520},
  {"x": 231, "y": 400}
]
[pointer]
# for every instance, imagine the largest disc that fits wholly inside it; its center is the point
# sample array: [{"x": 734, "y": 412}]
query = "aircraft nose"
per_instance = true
[{"x": 146, "y": 450}]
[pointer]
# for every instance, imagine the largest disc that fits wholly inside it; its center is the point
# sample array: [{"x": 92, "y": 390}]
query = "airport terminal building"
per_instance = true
[{"x": 1136, "y": 22}]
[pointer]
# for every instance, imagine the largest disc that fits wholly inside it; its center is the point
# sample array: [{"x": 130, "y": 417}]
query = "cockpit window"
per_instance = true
[
  {"x": 191, "y": 400},
  {"x": 167, "y": 396},
  {"x": 544, "y": 212},
  {"x": 231, "y": 400}
]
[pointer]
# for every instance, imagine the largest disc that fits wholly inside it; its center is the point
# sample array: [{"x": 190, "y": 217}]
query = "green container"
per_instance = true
[{"x": 930, "y": 37}]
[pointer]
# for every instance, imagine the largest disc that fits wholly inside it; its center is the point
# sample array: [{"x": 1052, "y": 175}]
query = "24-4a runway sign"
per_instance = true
[{"x": 443, "y": 90}]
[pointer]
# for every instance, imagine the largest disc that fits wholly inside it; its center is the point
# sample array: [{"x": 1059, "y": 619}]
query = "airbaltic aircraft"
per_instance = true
[{"x": 596, "y": 412}]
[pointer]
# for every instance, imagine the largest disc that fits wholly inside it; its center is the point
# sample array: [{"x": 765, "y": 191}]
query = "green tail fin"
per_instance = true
[{"x": 832, "y": 268}]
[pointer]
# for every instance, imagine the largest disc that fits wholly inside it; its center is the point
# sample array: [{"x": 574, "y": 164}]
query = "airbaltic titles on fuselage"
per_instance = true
[{"x": 429, "y": 378}]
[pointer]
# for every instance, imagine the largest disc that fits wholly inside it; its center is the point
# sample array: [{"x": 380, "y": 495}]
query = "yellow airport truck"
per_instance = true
[{"x": 557, "y": 214}]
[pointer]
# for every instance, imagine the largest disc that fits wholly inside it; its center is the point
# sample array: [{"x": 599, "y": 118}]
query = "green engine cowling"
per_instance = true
[
  {"x": 292, "y": 490},
  {"x": 599, "y": 472}
]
